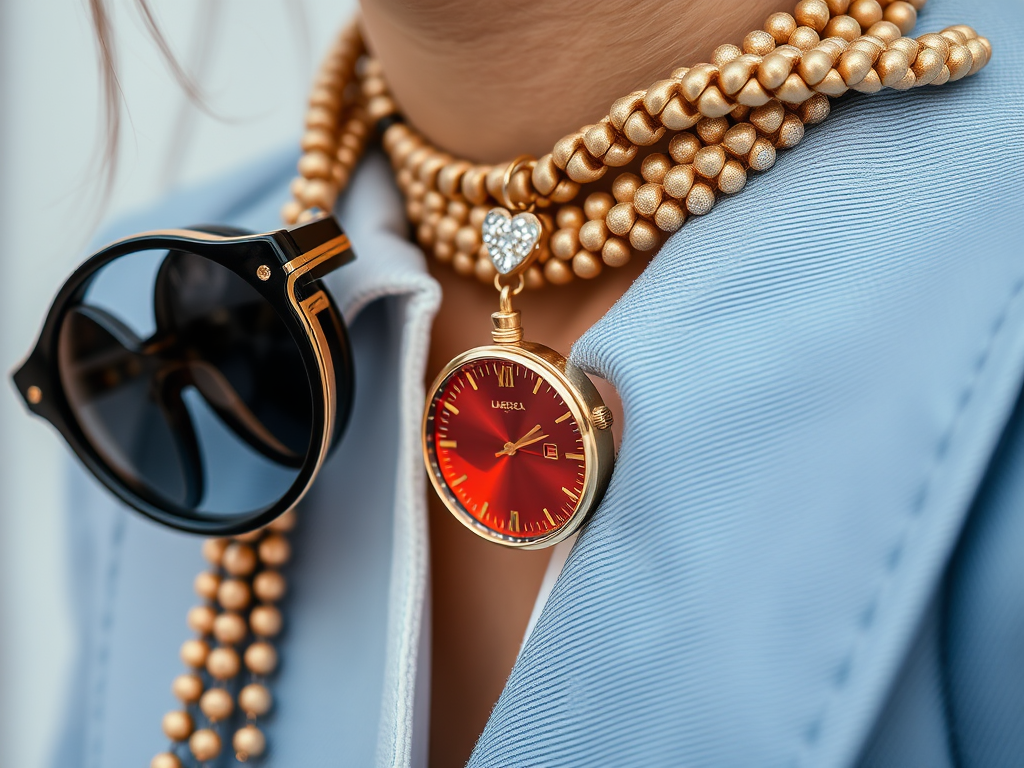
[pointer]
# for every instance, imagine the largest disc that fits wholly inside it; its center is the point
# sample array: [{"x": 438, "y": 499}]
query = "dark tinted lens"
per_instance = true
[{"x": 194, "y": 395}]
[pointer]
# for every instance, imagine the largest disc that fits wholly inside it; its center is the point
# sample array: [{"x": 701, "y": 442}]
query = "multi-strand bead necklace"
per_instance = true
[{"x": 708, "y": 125}]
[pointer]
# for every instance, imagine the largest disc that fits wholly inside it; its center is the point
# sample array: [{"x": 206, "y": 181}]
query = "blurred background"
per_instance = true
[{"x": 253, "y": 60}]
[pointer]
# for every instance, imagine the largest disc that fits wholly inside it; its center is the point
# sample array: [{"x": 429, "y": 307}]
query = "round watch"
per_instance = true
[{"x": 516, "y": 439}]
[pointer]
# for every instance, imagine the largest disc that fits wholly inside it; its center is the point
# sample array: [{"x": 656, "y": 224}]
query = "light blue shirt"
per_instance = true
[{"x": 810, "y": 550}]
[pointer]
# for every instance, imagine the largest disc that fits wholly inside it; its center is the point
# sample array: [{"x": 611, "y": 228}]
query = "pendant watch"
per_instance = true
[{"x": 516, "y": 439}]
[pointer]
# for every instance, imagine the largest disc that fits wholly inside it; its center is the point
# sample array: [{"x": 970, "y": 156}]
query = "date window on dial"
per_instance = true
[{"x": 550, "y": 451}]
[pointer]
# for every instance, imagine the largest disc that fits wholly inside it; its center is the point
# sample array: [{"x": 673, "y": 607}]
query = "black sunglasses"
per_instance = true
[{"x": 202, "y": 374}]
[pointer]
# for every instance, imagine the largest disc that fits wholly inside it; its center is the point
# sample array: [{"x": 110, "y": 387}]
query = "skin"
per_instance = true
[{"x": 489, "y": 82}]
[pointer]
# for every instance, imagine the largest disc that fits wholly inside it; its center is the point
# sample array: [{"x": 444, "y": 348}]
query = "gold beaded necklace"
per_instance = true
[{"x": 717, "y": 122}]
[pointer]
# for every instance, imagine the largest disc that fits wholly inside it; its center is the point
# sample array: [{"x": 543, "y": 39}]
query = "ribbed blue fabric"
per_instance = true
[{"x": 814, "y": 378}]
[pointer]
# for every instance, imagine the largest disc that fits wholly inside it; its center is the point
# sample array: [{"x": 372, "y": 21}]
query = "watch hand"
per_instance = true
[
  {"x": 523, "y": 444},
  {"x": 511, "y": 448}
]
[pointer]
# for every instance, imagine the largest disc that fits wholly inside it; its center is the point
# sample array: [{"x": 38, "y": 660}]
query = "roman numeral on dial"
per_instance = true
[{"x": 505, "y": 376}]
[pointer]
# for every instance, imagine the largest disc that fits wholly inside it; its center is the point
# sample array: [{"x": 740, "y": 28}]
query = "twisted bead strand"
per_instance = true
[{"x": 725, "y": 119}]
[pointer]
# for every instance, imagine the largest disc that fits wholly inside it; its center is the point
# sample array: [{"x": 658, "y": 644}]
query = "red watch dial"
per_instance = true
[{"x": 508, "y": 448}]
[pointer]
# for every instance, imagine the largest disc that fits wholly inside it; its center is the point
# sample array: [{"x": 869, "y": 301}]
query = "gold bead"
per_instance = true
[
  {"x": 444, "y": 232},
  {"x": 206, "y": 585},
  {"x": 700, "y": 200},
  {"x": 217, "y": 704},
  {"x": 213, "y": 550},
  {"x": 625, "y": 186},
  {"x": 261, "y": 658},
  {"x": 621, "y": 217},
  {"x": 165, "y": 760},
  {"x": 177, "y": 725},
  {"x": 255, "y": 700},
  {"x": 854, "y": 66},
  {"x": 187, "y": 688},
  {"x": 318, "y": 140},
  {"x": 670, "y": 215},
  {"x": 444, "y": 252},
  {"x": 723, "y": 54},
  {"x": 654, "y": 168},
  {"x": 739, "y": 139},
  {"x": 678, "y": 181},
  {"x": 194, "y": 653},
  {"x": 711, "y": 130},
  {"x": 463, "y": 263},
  {"x": 791, "y": 132},
  {"x": 885, "y": 31},
  {"x": 205, "y": 744},
  {"x": 892, "y": 67},
  {"x": 644, "y": 236},
  {"x": 458, "y": 210},
  {"x": 812, "y": 13},
  {"x": 266, "y": 620},
  {"x": 814, "y": 66},
  {"x": 647, "y": 199},
  {"x": 546, "y": 175},
  {"x": 249, "y": 741},
  {"x": 597, "y": 205},
  {"x": 557, "y": 272},
  {"x": 586, "y": 265},
  {"x": 593, "y": 235},
  {"x": 683, "y": 148},
  {"x": 773, "y": 70},
  {"x": 762, "y": 156},
  {"x": 477, "y": 214},
  {"x": 234, "y": 595},
  {"x": 780, "y": 26},
  {"x": 467, "y": 240},
  {"x": 315, "y": 165},
  {"x": 269, "y": 586},
  {"x": 709, "y": 161},
  {"x": 866, "y": 12},
  {"x": 804, "y": 38},
  {"x": 223, "y": 663},
  {"x": 434, "y": 202},
  {"x": 474, "y": 186},
  {"x": 838, "y": 7},
  {"x": 247, "y": 537},
  {"x": 758, "y": 43},
  {"x": 564, "y": 243},
  {"x": 570, "y": 217},
  {"x": 200, "y": 619},
  {"x": 733, "y": 178},
  {"x": 566, "y": 190},
  {"x": 239, "y": 559},
  {"x": 815, "y": 109},
  {"x": 484, "y": 269},
  {"x": 844, "y": 27},
  {"x": 230, "y": 629},
  {"x": 616, "y": 252}
]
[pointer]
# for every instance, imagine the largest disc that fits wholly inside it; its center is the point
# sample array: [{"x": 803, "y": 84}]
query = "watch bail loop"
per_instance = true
[{"x": 507, "y": 322}]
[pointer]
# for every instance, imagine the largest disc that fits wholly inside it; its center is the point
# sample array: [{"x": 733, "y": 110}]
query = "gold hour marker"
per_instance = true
[
  {"x": 563, "y": 417},
  {"x": 505, "y": 376},
  {"x": 565, "y": 490},
  {"x": 573, "y": 456},
  {"x": 483, "y": 511},
  {"x": 451, "y": 407},
  {"x": 451, "y": 444},
  {"x": 537, "y": 385},
  {"x": 471, "y": 380},
  {"x": 513, "y": 520},
  {"x": 549, "y": 517},
  {"x": 464, "y": 478}
]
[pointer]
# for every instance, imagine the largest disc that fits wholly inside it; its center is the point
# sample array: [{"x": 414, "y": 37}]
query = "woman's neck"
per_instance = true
[{"x": 489, "y": 81}]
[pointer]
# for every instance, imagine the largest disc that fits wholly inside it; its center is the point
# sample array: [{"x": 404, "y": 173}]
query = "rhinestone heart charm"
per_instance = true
[{"x": 510, "y": 240}]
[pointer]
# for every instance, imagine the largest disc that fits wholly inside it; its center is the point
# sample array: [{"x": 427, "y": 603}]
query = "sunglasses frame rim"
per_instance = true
[{"x": 297, "y": 258}]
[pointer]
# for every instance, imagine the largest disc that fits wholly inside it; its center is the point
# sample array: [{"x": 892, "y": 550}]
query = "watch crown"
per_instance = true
[{"x": 601, "y": 416}]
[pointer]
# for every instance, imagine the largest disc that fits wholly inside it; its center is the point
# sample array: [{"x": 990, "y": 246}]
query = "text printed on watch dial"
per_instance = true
[{"x": 508, "y": 448}]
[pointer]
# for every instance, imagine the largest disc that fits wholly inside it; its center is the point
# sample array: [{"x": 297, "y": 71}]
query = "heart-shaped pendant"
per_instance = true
[{"x": 510, "y": 240}]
